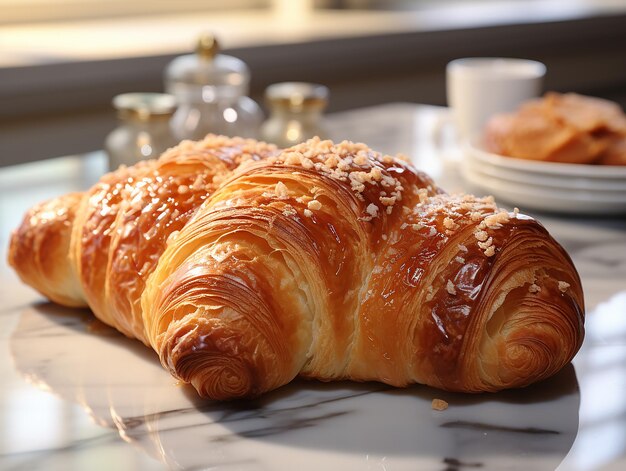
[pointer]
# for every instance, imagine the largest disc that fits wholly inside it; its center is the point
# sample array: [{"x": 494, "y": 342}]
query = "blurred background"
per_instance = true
[{"x": 62, "y": 61}]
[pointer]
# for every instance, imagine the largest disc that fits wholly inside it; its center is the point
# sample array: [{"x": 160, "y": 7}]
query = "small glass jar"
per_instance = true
[
  {"x": 211, "y": 91},
  {"x": 144, "y": 131},
  {"x": 296, "y": 113}
]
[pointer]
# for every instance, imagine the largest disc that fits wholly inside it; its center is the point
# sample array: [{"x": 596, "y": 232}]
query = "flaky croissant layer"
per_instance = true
[{"x": 244, "y": 267}]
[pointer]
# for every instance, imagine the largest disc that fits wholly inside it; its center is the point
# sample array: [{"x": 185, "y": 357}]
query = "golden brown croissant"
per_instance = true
[{"x": 244, "y": 267}]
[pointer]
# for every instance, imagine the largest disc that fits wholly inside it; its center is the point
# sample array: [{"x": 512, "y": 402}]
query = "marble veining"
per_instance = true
[
  {"x": 314, "y": 421},
  {"x": 78, "y": 395}
]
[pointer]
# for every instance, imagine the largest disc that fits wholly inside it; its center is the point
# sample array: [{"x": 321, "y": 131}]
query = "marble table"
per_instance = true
[{"x": 75, "y": 395}]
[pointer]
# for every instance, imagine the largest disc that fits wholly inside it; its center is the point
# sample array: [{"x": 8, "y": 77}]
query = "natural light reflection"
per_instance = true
[
  {"x": 605, "y": 388},
  {"x": 32, "y": 417},
  {"x": 292, "y": 10},
  {"x": 601, "y": 368},
  {"x": 607, "y": 441},
  {"x": 287, "y": 20},
  {"x": 608, "y": 321},
  {"x": 230, "y": 115}
]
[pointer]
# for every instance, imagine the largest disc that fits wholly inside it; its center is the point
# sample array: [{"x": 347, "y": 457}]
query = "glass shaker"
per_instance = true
[
  {"x": 295, "y": 112},
  {"x": 144, "y": 131},
  {"x": 210, "y": 89}
]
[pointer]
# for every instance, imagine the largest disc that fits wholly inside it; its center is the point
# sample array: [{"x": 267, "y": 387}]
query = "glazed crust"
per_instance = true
[
  {"x": 244, "y": 268},
  {"x": 40, "y": 246}
]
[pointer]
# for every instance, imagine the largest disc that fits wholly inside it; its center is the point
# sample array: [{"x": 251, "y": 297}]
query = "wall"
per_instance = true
[{"x": 69, "y": 112}]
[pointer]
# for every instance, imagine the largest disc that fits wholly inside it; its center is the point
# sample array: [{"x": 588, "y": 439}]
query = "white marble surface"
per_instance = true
[{"x": 76, "y": 395}]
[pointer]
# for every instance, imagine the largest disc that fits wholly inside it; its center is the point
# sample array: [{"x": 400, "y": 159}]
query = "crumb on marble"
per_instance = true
[{"x": 439, "y": 404}]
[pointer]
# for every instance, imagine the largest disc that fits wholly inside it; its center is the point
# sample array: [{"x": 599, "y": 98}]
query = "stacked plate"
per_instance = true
[{"x": 547, "y": 186}]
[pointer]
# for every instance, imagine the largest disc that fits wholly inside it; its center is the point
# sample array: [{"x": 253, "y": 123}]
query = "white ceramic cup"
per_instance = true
[{"x": 479, "y": 87}]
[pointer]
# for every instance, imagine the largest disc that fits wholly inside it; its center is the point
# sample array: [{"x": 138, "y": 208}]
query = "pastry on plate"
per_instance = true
[{"x": 566, "y": 128}]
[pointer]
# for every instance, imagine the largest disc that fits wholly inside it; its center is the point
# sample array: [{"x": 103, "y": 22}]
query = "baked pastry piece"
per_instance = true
[
  {"x": 244, "y": 267},
  {"x": 567, "y": 128}
]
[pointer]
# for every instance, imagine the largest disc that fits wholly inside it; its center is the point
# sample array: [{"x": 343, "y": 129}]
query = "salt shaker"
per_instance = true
[
  {"x": 295, "y": 112},
  {"x": 211, "y": 91},
  {"x": 144, "y": 131}
]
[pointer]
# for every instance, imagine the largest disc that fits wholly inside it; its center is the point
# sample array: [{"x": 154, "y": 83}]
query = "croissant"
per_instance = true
[{"x": 244, "y": 267}]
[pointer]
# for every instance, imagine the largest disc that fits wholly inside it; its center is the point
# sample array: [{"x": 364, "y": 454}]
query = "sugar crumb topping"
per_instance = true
[
  {"x": 349, "y": 162},
  {"x": 289, "y": 211},
  {"x": 308, "y": 213},
  {"x": 450, "y": 224},
  {"x": 314, "y": 205},
  {"x": 534, "y": 288},
  {"x": 496, "y": 220},
  {"x": 486, "y": 244},
  {"x": 481, "y": 236},
  {"x": 372, "y": 210},
  {"x": 450, "y": 288},
  {"x": 281, "y": 190},
  {"x": 387, "y": 200},
  {"x": 563, "y": 286},
  {"x": 423, "y": 195},
  {"x": 456, "y": 210}
]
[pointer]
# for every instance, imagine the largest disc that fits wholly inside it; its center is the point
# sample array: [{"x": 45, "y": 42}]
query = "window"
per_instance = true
[{"x": 36, "y": 11}]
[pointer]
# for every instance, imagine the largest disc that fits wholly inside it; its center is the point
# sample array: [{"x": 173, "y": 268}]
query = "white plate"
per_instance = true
[
  {"x": 548, "y": 180},
  {"x": 563, "y": 188},
  {"x": 542, "y": 198},
  {"x": 593, "y": 172}
]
